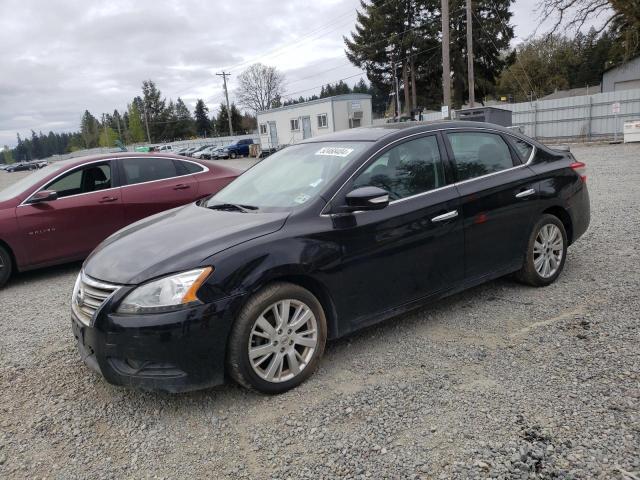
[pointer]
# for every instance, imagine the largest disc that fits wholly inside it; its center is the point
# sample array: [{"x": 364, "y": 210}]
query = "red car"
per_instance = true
[{"x": 61, "y": 213}]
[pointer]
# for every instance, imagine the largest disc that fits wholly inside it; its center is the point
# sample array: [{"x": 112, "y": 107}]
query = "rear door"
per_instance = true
[
  {"x": 152, "y": 185},
  {"x": 498, "y": 196},
  {"x": 88, "y": 209}
]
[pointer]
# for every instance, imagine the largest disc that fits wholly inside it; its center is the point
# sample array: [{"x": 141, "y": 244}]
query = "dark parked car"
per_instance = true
[
  {"x": 318, "y": 240},
  {"x": 21, "y": 167},
  {"x": 238, "y": 149},
  {"x": 63, "y": 211}
]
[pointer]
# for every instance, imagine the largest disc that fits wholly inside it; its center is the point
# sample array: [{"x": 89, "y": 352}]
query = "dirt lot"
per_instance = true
[{"x": 502, "y": 381}]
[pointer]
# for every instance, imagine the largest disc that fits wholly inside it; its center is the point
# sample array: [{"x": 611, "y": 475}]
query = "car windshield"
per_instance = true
[
  {"x": 27, "y": 182},
  {"x": 290, "y": 177}
]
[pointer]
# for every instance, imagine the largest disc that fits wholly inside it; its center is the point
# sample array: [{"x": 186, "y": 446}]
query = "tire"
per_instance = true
[
  {"x": 6, "y": 266},
  {"x": 544, "y": 258},
  {"x": 233, "y": 155},
  {"x": 267, "y": 373}
]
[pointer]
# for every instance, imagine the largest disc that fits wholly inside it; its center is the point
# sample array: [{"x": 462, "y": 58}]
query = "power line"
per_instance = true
[
  {"x": 524, "y": 71},
  {"x": 413, "y": 54}
]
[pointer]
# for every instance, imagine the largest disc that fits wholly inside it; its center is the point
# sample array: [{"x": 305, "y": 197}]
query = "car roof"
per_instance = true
[
  {"x": 375, "y": 133},
  {"x": 73, "y": 162}
]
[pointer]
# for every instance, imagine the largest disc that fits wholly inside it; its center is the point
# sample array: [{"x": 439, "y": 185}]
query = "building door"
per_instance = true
[
  {"x": 273, "y": 134},
  {"x": 306, "y": 127}
]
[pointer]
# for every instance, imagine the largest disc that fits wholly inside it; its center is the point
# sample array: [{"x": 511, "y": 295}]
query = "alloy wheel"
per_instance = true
[
  {"x": 548, "y": 250},
  {"x": 283, "y": 340}
]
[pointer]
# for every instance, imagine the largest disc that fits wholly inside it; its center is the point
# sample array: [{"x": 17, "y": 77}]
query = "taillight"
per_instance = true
[{"x": 581, "y": 169}]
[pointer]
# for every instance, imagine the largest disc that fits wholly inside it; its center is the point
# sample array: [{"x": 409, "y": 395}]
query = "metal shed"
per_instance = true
[{"x": 622, "y": 77}]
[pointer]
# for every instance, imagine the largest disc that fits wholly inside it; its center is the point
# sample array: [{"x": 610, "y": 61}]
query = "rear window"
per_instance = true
[
  {"x": 140, "y": 170},
  {"x": 523, "y": 148},
  {"x": 191, "y": 167}
]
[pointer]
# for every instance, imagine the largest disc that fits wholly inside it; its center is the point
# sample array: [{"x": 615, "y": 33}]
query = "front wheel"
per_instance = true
[
  {"x": 278, "y": 339},
  {"x": 6, "y": 266},
  {"x": 546, "y": 252},
  {"x": 233, "y": 155}
]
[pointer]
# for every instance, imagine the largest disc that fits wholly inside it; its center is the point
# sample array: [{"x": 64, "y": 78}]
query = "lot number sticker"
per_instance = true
[{"x": 334, "y": 151}]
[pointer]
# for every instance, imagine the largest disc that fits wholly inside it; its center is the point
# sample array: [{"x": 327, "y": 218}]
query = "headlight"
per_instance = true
[{"x": 166, "y": 294}]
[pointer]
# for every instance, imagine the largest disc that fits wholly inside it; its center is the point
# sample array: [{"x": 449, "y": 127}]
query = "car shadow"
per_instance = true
[
  {"x": 47, "y": 273},
  {"x": 230, "y": 393}
]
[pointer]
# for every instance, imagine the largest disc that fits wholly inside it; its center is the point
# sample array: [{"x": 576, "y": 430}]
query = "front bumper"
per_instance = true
[{"x": 173, "y": 352}]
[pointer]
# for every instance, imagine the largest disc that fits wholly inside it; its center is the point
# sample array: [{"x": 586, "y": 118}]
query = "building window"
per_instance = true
[
  {"x": 354, "y": 123},
  {"x": 295, "y": 124},
  {"x": 322, "y": 121},
  {"x": 263, "y": 129}
]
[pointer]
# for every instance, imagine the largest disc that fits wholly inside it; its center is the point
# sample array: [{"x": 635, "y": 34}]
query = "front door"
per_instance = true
[
  {"x": 88, "y": 209},
  {"x": 498, "y": 196},
  {"x": 306, "y": 127},
  {"x": 273, "y": 134},
  {"x": 409, "y": 250}
]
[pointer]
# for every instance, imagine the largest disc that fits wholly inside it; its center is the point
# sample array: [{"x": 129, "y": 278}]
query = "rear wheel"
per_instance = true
[
  {"x": 6, "y": 266},
  {"x": 278, "y": 339},
  {"x": 546, "y": 252}
]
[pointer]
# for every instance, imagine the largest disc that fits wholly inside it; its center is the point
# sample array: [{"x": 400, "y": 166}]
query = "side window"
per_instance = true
[
  {"x": 139, "y": 170},
  {"x": 407, "y": 169},
  {"x": 479, "y": 153},
  {"x": 189, "y": 167},
  {"x": 91, "y": 178},
  {"x": 523, "y": 148}
]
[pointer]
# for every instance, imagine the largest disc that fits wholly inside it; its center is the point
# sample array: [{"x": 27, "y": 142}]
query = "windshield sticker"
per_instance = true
[
  {"x": 334, "y": 151},
  {"x": 302, "y": 198},
  {"x": 316, "y": 183}
]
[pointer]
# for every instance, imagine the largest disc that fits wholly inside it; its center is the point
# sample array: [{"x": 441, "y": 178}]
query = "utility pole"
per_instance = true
[
  {"x": 104, "y": 126},
  {"x": 146, "y": 122},
  {"x": 119, "y": 131},
  {"x": 446, "y": 65},
  {"x": 226, "y": 94},
  {"x": 397, "y": 88},
  {"x": 472, "y": 82}
]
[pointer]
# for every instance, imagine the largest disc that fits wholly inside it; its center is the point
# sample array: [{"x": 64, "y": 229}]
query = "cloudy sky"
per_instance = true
[{"x": 59, "y": 58}]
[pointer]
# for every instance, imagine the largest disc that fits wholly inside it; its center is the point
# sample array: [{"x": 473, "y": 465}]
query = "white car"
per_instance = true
[{"x": 205, "y": 152}]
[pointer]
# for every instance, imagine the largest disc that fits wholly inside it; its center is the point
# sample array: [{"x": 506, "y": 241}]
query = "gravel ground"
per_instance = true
[{"x": 502, "y": 381}]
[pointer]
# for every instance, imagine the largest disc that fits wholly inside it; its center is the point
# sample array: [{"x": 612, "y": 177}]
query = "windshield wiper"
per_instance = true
[{"x": 233, "y": 207}]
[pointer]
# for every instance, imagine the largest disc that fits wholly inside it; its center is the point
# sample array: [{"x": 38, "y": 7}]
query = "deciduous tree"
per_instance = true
[{"x": 258, "y": 87}]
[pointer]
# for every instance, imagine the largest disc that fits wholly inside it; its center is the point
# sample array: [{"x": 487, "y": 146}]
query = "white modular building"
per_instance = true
[{"x": 290, "y": 124}]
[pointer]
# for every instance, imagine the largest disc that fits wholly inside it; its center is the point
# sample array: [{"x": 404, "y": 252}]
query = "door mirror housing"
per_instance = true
[
  {"x": 367, "y": 198},
  {"x": 44, "y": 196}
]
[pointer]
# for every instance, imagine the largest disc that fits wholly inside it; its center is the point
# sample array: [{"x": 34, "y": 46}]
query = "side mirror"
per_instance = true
[
  {"x": 44, "y": 196},
  {"x": 367, "y": 198}
]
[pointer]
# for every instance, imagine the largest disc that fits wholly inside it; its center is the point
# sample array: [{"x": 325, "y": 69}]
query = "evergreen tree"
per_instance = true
[
  {"x": 222, "y": 121},
  {"x": 201, "y": 114},
  {"x": 89, "y": 130},
  {"x": 155, "y": 106},
  {"x": 406, "y": 34},
  {"x": 185, "y": 126}
]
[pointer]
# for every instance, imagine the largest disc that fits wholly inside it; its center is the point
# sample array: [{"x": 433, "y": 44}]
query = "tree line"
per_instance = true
[{"x": 149, "y": 117}]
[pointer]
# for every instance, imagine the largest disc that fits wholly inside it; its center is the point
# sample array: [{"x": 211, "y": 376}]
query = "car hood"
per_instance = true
[{"x": 174, "y": 241}]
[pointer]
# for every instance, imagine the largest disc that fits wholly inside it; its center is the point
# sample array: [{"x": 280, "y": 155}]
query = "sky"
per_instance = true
[{"x": 59, "y": 58}]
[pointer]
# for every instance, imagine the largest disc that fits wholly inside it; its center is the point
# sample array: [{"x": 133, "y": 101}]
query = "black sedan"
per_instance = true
[
  {"x": 21, "y": 167},
  {"x": 318, "y": 240}
]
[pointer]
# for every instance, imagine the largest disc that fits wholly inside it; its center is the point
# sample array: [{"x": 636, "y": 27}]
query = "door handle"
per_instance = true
[
  {"x": 181, "y": 186},
  {"x": 526, "y": 193},
  {"x": 445, "y": 216},
  {"x": 108, "y": 199}
]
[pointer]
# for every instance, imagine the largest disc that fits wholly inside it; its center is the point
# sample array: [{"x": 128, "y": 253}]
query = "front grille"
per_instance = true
[{"x": 89, "y": 295}]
